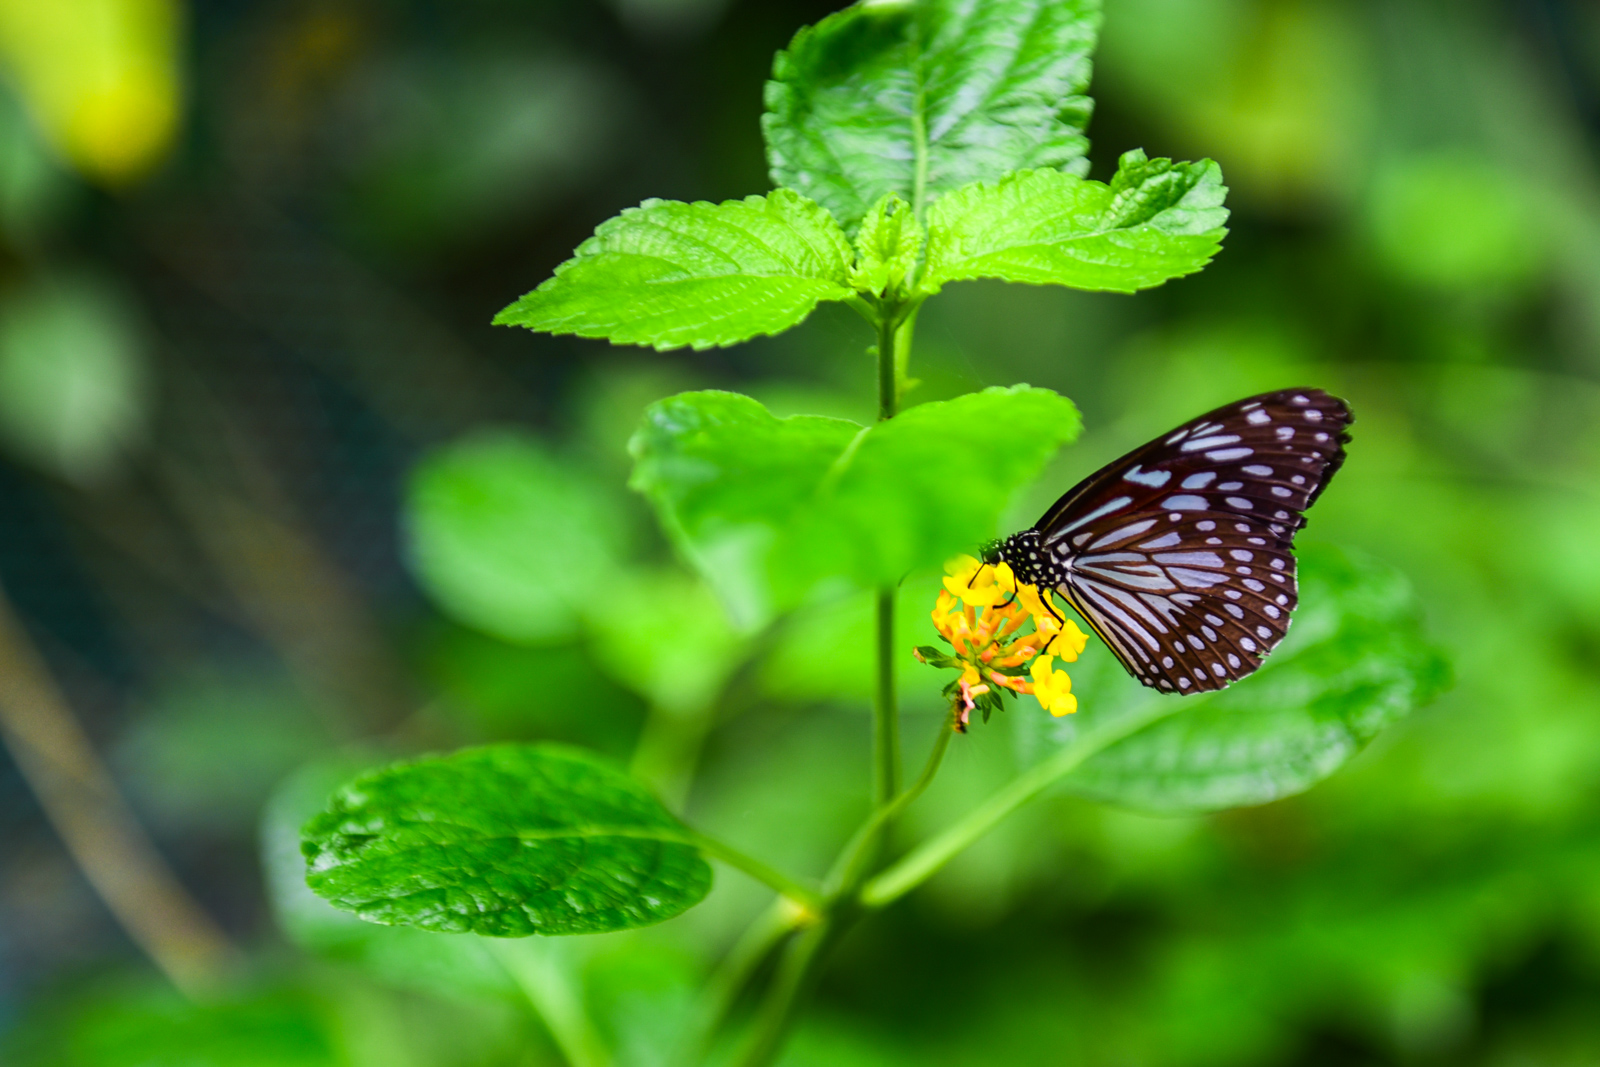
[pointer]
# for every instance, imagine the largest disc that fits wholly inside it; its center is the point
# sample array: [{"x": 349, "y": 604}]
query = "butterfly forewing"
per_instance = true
[{"x": 1179, "y": 553}]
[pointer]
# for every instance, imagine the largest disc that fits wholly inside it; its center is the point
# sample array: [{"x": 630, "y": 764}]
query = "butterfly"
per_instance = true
[{"x": 1178, "y": 555}]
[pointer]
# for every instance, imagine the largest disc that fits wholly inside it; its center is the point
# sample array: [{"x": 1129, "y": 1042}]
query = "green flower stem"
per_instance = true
[
  {"x": 532, "y": 964},
  {"x": 851, "y": 866},
  {"x": 885, "y": 711},
  {"x": 807, "y": 898},
  {"x": 795, "y": 976},
  {"x": 738, "y": 966},
  {"x": 668, "y": 750},
  {"x": 924, "y": 861}
]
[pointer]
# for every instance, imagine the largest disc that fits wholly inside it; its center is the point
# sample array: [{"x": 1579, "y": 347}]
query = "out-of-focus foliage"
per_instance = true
[
  {"x": 509, "y": 539},
  {"x": 1413, "y": 190},
  {"x": 99, "y": 76},
  {"x": 768, "y": 508},
  {"x": 73, "y": 382},
  {"x": 1354, "y": 663}
]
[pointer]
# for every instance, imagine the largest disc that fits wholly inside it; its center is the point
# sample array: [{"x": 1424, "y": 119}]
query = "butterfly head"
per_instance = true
[{"x": 1023, "y": 553}]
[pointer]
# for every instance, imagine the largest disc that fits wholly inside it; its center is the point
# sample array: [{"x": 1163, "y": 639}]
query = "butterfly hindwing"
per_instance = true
[{"x": 1179, "y": 553}]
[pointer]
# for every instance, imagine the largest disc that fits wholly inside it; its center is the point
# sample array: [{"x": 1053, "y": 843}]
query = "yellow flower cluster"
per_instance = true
[{"x": 981, "y": 613}]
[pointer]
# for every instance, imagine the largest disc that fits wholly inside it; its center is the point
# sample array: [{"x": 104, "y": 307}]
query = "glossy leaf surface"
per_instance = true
[
  {"x": 922, "y": 98},
  {"x": 1157, "y": 220},
  {"x": 505, "y": 840},
  {"x": 669, "y": 274}
]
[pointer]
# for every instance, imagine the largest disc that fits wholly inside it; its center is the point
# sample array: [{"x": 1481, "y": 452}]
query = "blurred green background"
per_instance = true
[{"x": 279, "y": 503}]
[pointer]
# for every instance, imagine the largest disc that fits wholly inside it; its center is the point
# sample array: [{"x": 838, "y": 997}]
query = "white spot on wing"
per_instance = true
[
  {"x": 1166, "y": 540},
  {"x": 1199, "y": 481},
  {"x": 1258, "y": 417},
  {"x": 1154, "y": 479},
  {"x": 1185, "y": 503},
  {"x": 1103, "y": 509},
  {"x": 1210, "y": 442},
  {"x": 1190, "y": 559},
  {"x": 1123, "y": 534},
  {"x": 1227, "y": 455},
  {"x": 1239, "y": 502}
]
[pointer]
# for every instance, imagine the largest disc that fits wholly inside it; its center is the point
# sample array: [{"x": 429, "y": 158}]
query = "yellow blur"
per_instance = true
[{"x": 99, "y": 77}]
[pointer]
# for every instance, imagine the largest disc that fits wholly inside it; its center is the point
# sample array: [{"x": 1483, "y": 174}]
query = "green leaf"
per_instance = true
[
  {"x": 1355, "y": 661},
  {"x": 767, "y": 507},
  {"x": 506, "y": 841},
  {"x": 887, "y": 247},
  {"x": 74, "y": 389},
  {"x": 670, "y": 274},
  {"x": 922, "y": 98},
  {"x": 402, "y": 956},
  {"x": 507, "y": 539},
  {"x": 663, "y": 635},
  {"x": 1157, "y": 220}
]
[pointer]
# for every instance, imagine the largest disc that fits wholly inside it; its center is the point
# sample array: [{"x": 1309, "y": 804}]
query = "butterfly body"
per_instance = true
[{"x": 1179, "y": 554}]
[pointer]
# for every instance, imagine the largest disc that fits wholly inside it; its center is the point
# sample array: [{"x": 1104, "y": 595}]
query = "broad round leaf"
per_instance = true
[{"x": 506, "y": 841}]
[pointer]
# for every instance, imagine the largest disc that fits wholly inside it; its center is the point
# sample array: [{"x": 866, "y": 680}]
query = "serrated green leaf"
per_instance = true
[
  {"x": 1157, "y": 220},
  {"x": 505, "y": 841},
  {"x": 1355, "y": 661},
  {"x": 768, "y": 507},
  {"x": 923, "y": 98},
  {"x": 507, "y": 539},
  {"x": 669, "y": 274},
  {"x": 887, "y": 247}
]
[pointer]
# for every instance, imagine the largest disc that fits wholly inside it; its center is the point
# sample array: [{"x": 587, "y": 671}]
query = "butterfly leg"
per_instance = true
[
  {"x": 1044, "y": 598},
  {"x": 1014, "y": 590}
]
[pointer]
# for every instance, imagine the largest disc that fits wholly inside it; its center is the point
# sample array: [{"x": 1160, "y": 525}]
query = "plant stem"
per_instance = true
[
  {"x": 759, "y": 940},
  {"x": 850, "y": 867},
  {"x": 889, "y": 319},
  {"x": 669, "y": 748},
  {"x": 803, "y": 896},
  {"x": 885, "y": 712},
  {"x": 533, "y": 965},
  {"x": 924, "y": 861},
  {"x": 795, "y": 974},
  {"x": 83, "y": 803}
]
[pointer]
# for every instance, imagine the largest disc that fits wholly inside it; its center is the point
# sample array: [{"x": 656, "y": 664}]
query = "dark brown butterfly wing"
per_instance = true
[{"x": 1179, "y": 553}]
